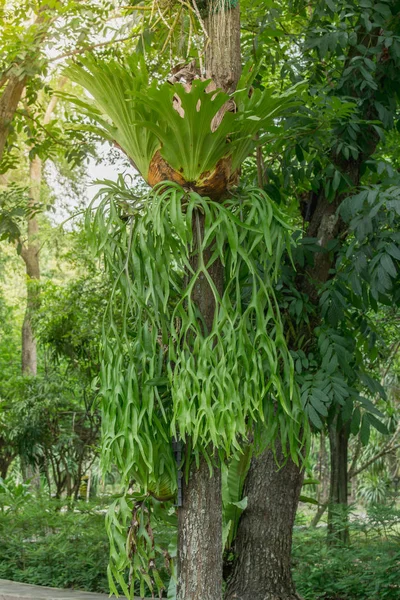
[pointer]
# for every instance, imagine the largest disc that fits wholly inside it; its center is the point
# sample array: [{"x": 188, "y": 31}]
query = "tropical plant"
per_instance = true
[
  {"x": 13, "y": 496},
  {"x": 165, "y": 374},
  {"x": 212, "y": 132},
  {"x": 148, "y": 397},
  {"x": 373, "y": 489}
]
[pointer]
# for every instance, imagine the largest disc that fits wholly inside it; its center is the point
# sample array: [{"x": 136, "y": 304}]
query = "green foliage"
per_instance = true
[
  {"x": 366, "y": 570},
  {"x": 50, "y": 420},
  {"x": 373, "y": 488},
  {"x": 69, "y": 322},
  {"x": 13, "y": 212},
  {"x": 27, "y": 49},
  {"x": 142, "y": 117},
  {"x": 13, "y": 496},
  {"x": 121, "y": 113},
  {"x": 240, "y": 372},
  {"x": 139, "y": 545},
  {"x": 244, "y": 352},
  {"x": 233, "y": 478},
  {"x": 43, "y": 545},
  {"x": 371, "y": 265}
]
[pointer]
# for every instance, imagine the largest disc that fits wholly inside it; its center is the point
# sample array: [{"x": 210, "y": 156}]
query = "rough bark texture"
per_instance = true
[
  {"x": 338, "y": 531},
  {"x": 200, "y": 536},
  {"x": 262, "y": 570},
  {"x": 223, "y": 63},
  {"x": 200, "y": 517}
]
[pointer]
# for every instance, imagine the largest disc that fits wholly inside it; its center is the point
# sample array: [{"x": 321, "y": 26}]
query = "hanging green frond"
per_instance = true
[
  {"x": 233, "y": 478},
  {"x": 162, "y": 376}
]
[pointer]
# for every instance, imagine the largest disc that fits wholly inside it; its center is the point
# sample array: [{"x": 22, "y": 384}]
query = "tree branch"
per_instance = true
[{"x": 385, "y": 451}]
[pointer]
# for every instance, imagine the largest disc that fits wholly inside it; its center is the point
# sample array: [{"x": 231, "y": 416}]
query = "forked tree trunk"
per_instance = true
[
  {"x": 262, "y": 567},
  {"x": 200, "y": 517},
  {"x": 338, "y": 526}
]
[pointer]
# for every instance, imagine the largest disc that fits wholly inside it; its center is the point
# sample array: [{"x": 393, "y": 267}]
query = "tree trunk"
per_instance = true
[
  {"x": 262, "y": 567},
  {"x": 9, "y": 101},
  {"x": 338, "y": 529},
  {"x": 6, "y": 458},
  {"x": 323, "y": 477},
  {"x": 200, "y": 536},
  {"x": 30, "y": 255},
  {"x": 200, "y": 517},
  {"x": 5, "y": 463},
  {"x": 30, "y": 252},
  {"x": 223, "y": 59},
  {"x": 3, "y": 468}
]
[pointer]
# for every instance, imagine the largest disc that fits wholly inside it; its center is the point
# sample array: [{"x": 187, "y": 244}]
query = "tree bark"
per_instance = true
[
  {"x": 200, "y": 517},
  {"x": 262, "y": 568},
  {"x": 200, "y": 536},
  {"x": 323, "y": 477},
  {"x": 30, "y": 253},
  {"x": 338, "y": 528},
  {"x": 5, "y": 462},
  {"x": 223, "y": 59}
]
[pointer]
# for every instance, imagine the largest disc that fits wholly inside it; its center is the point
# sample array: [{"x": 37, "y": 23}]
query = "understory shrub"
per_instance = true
[
  {"x": 368, "y": 569},
  {"x": 45, "y": 544}
]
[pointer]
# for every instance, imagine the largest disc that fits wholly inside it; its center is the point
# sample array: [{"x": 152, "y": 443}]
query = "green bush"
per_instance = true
[
  {"x": 368, "y": 569},
  {"x": 45, "y": 544}
]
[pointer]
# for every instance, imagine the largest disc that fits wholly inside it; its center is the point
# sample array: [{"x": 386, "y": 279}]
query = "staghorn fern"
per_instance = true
[
  {"x": 161, "y": 375},
  {"x": 164, "y": 143},
  {"x": 117, "y": 106}
]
